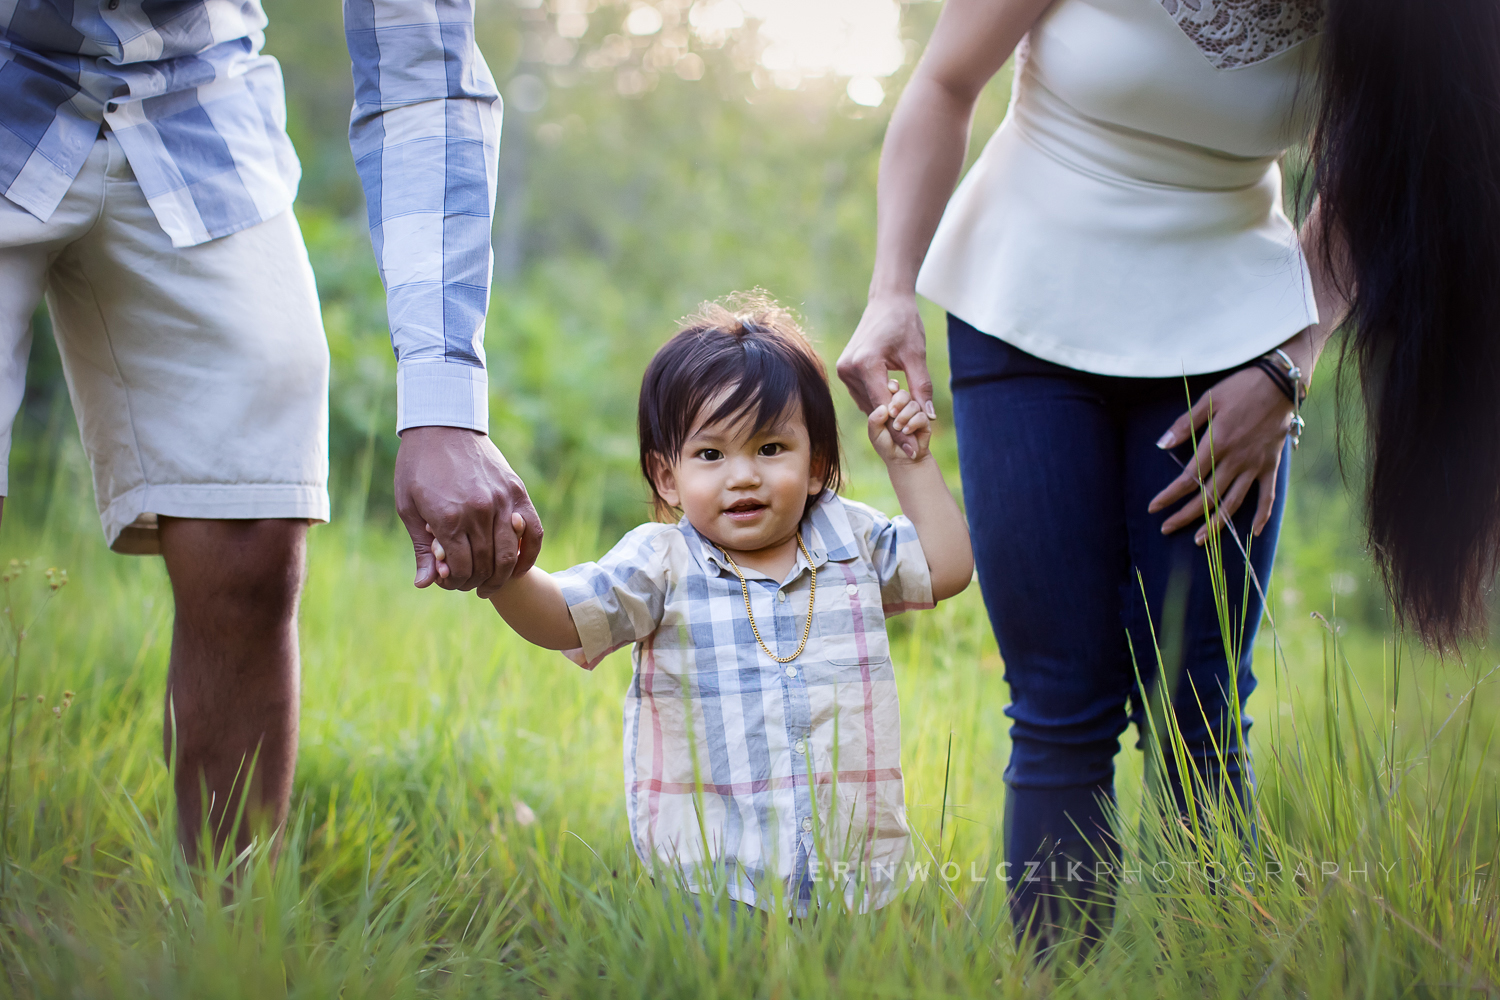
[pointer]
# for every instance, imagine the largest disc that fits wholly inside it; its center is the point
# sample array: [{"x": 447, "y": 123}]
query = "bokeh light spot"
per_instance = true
[{"x": 866, "y": 90}]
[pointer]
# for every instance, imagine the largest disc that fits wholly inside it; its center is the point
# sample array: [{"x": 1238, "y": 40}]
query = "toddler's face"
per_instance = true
[{"x": 744, "y": 491}]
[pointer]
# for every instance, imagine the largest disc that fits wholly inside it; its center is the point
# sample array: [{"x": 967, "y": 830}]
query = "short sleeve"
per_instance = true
[
  {"x": 900, "y": 564},
  {"x": 619, "y": 599}
]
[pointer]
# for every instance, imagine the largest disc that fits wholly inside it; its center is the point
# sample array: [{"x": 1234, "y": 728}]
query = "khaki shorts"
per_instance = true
[{"x": 199, "y": 374}]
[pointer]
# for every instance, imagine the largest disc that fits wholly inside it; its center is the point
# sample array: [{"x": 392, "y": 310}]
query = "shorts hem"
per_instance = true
[{"x": 212, "y": 501}]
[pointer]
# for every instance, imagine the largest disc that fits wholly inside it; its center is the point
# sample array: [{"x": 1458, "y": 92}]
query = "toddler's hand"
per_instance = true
[
  {"x": 516, "y": 521},
  {"x": 902, "y": 414}
]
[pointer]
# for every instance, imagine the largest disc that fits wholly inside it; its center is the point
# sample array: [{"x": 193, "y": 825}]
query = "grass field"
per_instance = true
[{"x": 458, "y": 825}]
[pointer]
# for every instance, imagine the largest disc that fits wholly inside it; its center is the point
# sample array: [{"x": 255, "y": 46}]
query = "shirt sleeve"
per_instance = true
[
  {"x": 618, "y": 600},
  {"x": 425, "y": 132},
  {"x": 900, "y": 564}
]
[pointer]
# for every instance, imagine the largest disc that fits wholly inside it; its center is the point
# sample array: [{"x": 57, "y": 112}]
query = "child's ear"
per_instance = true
[
  {"x": 664, "y": 478},
  {"x": 817, "y": 478}
]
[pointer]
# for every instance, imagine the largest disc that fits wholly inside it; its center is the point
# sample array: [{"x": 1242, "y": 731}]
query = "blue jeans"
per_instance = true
[{"x": 1083, "y": 589}]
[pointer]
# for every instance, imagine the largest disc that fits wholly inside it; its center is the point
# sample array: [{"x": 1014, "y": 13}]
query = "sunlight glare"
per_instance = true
[
  {"x": 713, "y": 20},
  {"x": 811, "y": 38}
]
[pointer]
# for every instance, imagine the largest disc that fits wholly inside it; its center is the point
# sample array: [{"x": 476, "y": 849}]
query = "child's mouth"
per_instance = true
[{"x": 744, "y": 510}]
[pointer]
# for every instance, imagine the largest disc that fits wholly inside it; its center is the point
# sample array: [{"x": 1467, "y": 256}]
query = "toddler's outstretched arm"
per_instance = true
[
  {"x": 532, "y": 604},
  {"x": 923, "y": 494}
]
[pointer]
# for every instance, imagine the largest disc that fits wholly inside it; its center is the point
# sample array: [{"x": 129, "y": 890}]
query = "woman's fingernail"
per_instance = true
[
  {"x": 931, "y": 410},
  {"x": 1166, "y": 440}
]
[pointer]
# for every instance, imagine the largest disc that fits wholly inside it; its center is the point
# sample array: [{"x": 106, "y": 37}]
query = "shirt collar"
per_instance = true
[
  {"x": 832, "y": 537},
  {"x": 825, "y": 531}
]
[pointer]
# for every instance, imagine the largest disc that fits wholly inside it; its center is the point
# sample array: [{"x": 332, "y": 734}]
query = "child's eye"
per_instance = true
[
  {"x": 772, "y": 449},
  {"x": 710, "y": 454}
]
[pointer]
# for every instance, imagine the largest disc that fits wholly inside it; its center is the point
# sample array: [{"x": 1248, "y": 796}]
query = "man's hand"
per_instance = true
[
  {"x": 890, "y": 337},
  {"x": 457, "y": 481}
]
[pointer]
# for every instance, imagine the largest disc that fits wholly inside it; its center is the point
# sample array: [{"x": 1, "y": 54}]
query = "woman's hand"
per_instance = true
[
  {"x": 890, "y": 337},
  {"x": 1240, "y": 426}
]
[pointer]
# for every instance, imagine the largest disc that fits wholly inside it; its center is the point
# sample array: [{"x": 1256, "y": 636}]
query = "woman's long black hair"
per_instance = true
[{"x": 1407, "y": 159}]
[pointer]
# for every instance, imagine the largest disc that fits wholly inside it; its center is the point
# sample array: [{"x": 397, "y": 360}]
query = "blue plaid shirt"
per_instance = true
[
  {"x": 778, "y": 771},
  {"x": 201, "y": 116}
]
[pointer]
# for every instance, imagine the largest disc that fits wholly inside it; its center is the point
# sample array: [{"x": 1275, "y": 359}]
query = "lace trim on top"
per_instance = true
[{"x": 1234, "y": 33}]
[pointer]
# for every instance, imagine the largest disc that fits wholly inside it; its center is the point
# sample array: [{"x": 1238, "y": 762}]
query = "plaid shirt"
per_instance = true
[
  {"x": 799, "y": 764},
  {"x": 201, "y": 115}
]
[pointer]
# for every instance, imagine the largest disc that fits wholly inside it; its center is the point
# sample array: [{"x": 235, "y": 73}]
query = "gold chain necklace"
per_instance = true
[{"x": 812, "y": 596}]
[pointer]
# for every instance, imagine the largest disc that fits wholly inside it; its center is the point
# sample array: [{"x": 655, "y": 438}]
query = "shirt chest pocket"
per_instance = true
[{"x": 850, "y": 622}]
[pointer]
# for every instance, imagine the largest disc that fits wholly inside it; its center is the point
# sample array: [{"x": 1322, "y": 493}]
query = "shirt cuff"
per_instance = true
[
  {"x": 594, "y": 633},
  {"x": 911, "y": 587},
  {"x": 442, "y": 394}
]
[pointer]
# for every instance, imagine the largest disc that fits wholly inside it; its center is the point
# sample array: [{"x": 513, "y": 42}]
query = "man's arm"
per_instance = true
[{"x": 425, "y": 132}]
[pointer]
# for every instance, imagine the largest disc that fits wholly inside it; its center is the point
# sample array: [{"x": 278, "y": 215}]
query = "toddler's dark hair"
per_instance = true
[{"x": 752, "y": 348}]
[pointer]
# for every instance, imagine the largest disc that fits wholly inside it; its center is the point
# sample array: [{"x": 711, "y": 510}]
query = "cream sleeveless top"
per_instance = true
[{"x": 1126, "y": 216}]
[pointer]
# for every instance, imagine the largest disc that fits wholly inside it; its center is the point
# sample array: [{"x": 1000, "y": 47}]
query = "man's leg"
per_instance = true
[
  {"x": 232, "y": 686},
  {"x": 200, "y": 378}
]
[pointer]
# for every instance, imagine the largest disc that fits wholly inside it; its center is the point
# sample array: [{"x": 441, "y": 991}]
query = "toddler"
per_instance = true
[{"x": 762, "y": 731}]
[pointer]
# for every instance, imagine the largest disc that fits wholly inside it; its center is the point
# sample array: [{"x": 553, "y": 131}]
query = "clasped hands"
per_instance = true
[
  {"x": 471, "y": 522},
  {"x": 900, "y": 429}
]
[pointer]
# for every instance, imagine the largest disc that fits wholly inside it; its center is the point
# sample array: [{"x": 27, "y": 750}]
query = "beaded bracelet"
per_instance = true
[{"x": 1289, "y": 381}]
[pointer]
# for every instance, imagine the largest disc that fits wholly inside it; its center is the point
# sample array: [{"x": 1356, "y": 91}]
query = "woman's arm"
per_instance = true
[
  {"x": 1250, "y": 416},
  {"x": 922, "y": 493},
  {"x": 919, "y": 166},
  {"x": 1330, "y": 281}
]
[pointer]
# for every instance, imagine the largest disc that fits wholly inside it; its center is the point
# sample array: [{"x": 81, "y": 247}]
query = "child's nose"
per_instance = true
[{"x": 743, "y": 472}]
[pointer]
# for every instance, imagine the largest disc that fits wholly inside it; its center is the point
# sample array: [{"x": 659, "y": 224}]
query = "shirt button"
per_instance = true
[
  {"x": 807, "y": 825},
  {"x": 791, "y": 671},
  {"x": 852, "y": 589},
  {"x": 781, "y": 596},
  {"x": 113, "y": 4},
  {"x": 801, "y": 747}
]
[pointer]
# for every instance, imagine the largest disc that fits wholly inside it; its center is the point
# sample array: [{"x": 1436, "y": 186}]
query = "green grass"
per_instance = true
[{"x": 458, "y": 822}]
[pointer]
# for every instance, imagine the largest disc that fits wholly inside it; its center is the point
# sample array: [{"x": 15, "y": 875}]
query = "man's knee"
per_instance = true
[{"x": 246, "y": 568}]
